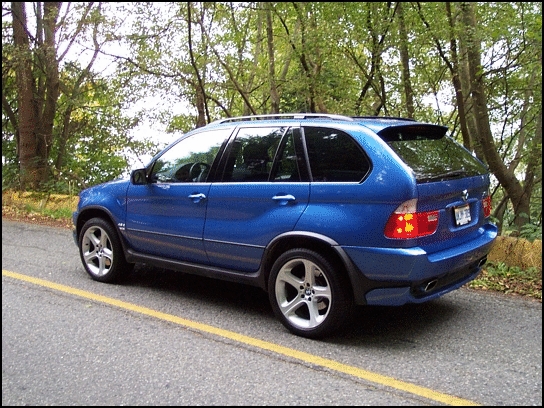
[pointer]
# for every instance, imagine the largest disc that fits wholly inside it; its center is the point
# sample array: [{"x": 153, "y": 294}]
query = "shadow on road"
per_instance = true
[{"x": 371, "y": 325}]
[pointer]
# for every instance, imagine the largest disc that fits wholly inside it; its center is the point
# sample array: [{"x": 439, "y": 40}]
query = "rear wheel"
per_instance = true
[
  {"x": 308, "y": 293},
  {"x": 101, "y": 251}
]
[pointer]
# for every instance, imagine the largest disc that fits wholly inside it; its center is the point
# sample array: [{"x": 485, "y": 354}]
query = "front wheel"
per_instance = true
[
  {"x": 101, "y": 251},
  {"x": 309, "y": 295}
]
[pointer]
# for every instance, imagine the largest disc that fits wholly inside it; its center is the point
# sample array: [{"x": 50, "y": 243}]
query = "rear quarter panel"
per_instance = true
[{"x": 354, "y": 214}]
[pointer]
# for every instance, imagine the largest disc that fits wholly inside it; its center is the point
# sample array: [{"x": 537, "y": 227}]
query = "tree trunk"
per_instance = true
[
  {"x": 274, "y": 96},
  {"x": 200, "y": 94},
  {"x": 37, "y": 103},
  {"x": 309, "y": 56},
  {"x": 405, "y": 59},
  {"x": 51, "y": 69},
  {"x": 456, "y": 80},
  {"x": 507, "y": 178},
  {"x": 27, "y": 115},
  {"x": 464, "y": 76}
]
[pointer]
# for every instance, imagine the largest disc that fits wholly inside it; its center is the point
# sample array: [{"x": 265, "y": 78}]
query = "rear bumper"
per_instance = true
[
  {"x": 420, "y": 292},
  {"x": 393, "y": 277}
]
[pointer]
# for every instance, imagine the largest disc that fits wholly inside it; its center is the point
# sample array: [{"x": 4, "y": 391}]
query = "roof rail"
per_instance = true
[
  {"x": 384, "y": 118},
  {"x": 285, "y": 115}
]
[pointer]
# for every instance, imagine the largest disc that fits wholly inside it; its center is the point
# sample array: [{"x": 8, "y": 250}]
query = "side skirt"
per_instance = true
[{"x": 253, "y": 279}]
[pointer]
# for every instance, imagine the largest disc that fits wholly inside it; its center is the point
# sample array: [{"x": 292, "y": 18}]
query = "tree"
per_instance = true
[
  {"x": 518, "y": 193},
  {"x": 53, "y": 98},
  {"x": 38, "y": 89}
]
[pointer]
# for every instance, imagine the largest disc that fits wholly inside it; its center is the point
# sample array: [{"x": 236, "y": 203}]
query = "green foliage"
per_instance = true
[
  {"x": 531, "y": 232},
  {"x": 181, "y": 123},
  {"x": 10, "y": 176},
  {"x": 510, "y": 280},
  {"x": 533, "y": 228}
]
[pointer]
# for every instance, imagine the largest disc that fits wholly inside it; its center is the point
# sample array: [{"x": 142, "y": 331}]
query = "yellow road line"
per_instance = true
[{"x": 285, "y": 351}]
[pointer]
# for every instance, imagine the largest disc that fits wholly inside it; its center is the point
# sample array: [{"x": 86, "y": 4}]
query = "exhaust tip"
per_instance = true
[
  {"x": 430, "y": 285},
  {"x": 482, "y": 262}
]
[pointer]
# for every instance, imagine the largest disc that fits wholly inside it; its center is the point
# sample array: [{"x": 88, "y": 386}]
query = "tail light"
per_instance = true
[
  {"x": 406, "y": 222},
  {"x": 486, "y": 203}
]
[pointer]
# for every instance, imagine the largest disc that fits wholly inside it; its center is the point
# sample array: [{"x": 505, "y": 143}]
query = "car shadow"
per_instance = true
[
  {"x": 396, "y": 326},
  {"x": 380, "y": 326},
  {"x": 200, "y": 288}
]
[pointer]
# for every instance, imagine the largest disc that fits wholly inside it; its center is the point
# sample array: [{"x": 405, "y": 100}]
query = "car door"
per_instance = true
[
  {"x": 258, "y": 197},
  {"x": 165, "y": 217}
]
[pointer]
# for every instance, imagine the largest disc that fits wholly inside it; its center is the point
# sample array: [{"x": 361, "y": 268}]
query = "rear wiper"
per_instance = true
[{"x": 442, "y": 176}]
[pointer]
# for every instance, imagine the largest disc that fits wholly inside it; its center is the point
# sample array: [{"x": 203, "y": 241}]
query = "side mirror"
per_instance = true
[{"x": 138, "y": 177}]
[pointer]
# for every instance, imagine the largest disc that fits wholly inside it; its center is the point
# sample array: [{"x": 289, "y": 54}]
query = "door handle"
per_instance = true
[
  {"x": 197, "y": 197},
  {"x": 284, "y": 198}
]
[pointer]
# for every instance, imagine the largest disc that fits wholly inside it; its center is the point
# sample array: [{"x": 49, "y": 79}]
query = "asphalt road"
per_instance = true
[{"x": 167, "y": 338}]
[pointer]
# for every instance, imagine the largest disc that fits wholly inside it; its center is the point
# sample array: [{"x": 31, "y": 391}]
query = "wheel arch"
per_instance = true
[
  {"x": 98, "y": 212},
  {"x": 312, "y": 241}
]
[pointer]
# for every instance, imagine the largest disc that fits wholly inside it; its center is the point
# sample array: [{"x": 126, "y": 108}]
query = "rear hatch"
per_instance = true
[{"x": 449, "y": 180}]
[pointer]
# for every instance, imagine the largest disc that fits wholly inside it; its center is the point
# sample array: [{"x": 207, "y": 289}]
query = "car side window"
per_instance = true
[
  {"x": 190, "y": 159},
  {"x": 251, "y": 154},
  {"x": 290, "y": 163},
  {"x": 334, "y": 156}
]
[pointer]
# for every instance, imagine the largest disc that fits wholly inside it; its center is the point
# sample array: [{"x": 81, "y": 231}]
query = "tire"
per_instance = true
[
  {"x": 308, "y": 294},
  {"x": 101, "y": 251}
]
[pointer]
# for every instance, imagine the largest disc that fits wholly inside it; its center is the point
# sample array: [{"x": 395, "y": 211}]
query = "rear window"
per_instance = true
[{"x": 431, "y": 154}]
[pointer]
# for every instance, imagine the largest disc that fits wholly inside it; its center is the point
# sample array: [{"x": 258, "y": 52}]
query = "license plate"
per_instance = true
[{"x": 462, "y": 214}]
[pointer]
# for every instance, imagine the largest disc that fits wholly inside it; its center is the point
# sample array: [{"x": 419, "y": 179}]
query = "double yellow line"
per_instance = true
[{"x": 263, "y": 345}]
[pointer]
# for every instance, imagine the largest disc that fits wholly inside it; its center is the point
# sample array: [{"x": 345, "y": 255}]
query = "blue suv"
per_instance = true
[{"x": 321, "y": 211}]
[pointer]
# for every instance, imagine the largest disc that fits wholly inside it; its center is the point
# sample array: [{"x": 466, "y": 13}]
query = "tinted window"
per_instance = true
[
  {"x": 334, "y": 155},
  {"x": 290, "y": 163},
  {"x": 432, "y": 155},
  {"x": 251, "y": 154},
  {"x": 190, "y": 159}
]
